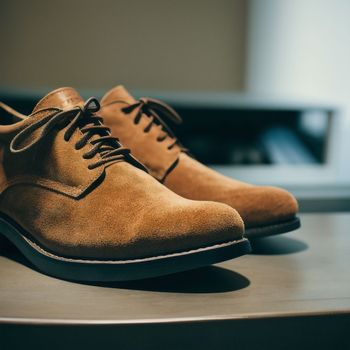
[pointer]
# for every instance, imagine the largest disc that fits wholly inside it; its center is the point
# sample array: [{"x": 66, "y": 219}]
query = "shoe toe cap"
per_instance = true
[
  {"x": 213, "y": 221},
  {"x": 264, "y": 205},
  {"x": 194, "y": 225}
]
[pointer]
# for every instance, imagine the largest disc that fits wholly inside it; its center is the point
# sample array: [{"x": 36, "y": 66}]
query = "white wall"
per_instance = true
[{"x": 301, "y": 48}]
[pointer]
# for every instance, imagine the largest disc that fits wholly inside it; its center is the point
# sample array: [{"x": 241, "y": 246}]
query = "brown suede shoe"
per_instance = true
[
  {"x": 79, "y": 206},
  {"x": 138, "y": 124}
]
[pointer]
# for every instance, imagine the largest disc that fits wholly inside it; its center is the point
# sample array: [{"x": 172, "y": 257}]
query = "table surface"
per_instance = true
[{"x": 305, "y": 272}]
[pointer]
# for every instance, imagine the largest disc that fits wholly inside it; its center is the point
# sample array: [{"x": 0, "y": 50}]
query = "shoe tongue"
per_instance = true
[
  {"x": 63, "y": 98},
  {"x": 119, "y": 93}
]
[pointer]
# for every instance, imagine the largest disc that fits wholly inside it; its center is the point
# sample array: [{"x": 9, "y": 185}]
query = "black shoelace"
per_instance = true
[
  {"x": 154, "y": 109},
  {"x": 88, "y": 123}
]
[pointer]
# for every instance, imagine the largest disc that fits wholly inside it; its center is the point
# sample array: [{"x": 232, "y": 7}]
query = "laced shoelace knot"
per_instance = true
[{"x": 82, "y": 118}]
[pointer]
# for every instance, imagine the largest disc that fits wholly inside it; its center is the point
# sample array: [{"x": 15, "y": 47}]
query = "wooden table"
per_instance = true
[{"x": 294, "y": 291}]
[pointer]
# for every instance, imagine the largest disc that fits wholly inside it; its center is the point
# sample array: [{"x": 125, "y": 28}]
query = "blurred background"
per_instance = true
[{"x": 263, "y": 85}]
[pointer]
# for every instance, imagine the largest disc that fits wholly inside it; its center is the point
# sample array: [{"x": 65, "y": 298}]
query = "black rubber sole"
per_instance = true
[
  {"x": 270, "y": 230},
  {"x": 120, "y": 270}
]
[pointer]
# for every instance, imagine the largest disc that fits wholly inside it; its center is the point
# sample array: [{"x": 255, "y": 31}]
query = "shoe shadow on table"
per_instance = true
[
  {"x": 277, "y": 245},
  {"x": 210, "y": 279}
]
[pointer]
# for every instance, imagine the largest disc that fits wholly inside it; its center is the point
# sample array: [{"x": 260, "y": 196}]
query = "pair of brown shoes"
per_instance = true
[{"x": 81, "y": 206}]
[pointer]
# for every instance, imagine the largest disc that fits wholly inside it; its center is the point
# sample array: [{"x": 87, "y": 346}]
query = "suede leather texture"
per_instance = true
[
  {"x": 115, "y": 211},
  {"x": 156, "y": 155},
  {"x": 258, "y": 205}
]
